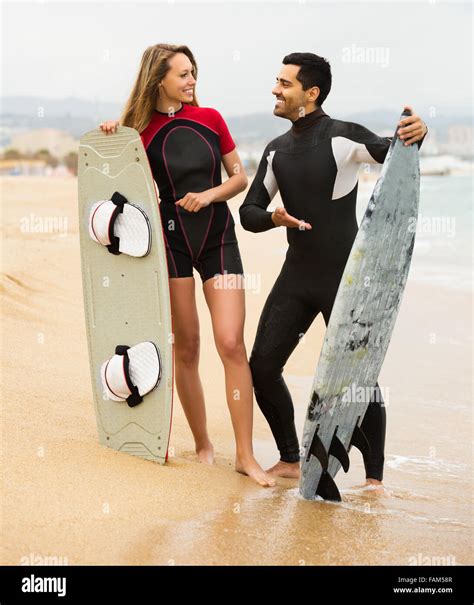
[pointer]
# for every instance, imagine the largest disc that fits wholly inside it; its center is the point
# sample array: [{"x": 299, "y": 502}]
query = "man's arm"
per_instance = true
[
  {"x": 375, "y": 153},
  {"x": 373, "y": 149},
  {"x": 253, "y": 211}
]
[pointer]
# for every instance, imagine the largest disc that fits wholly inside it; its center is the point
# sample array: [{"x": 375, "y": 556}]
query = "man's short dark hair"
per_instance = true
[{"x": 314, "y": 71}]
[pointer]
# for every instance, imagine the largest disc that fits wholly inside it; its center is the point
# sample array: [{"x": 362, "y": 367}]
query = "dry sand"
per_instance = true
[{"x": 65, "y": 496}]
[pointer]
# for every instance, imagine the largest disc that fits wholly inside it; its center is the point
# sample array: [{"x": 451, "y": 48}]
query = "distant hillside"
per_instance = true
[
  {"x": 382, "y": 119},
  {"x": 76, "y": 116}
]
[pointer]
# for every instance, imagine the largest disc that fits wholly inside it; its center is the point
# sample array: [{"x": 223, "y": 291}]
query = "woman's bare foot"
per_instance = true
[
  {"x": 289, "y": 470},
  {"x": 205, "y": 453},
  {"x": 249, "y": 466}
]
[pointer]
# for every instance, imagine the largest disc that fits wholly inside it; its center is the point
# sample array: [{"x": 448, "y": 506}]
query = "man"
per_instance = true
[{"x": 315, "y": 166}]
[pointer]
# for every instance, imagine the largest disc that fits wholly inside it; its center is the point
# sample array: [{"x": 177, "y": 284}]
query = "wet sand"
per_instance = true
[{"x": 65, "y": 496}]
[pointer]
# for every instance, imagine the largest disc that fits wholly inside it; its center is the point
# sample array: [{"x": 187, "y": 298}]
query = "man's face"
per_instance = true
[{"x": 291, "y": 100}]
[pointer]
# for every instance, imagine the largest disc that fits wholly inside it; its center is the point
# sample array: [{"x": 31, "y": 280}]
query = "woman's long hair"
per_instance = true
[{"x": 154, "y": 66}]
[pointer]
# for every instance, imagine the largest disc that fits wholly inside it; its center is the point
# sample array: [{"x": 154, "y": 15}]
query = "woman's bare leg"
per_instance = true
[
  {"x": 227, "y": 307},
  {"x": 186, "y": 351}
]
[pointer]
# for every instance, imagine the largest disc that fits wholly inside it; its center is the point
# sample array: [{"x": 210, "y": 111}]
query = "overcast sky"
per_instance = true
[{"x": 382, "y": 54}]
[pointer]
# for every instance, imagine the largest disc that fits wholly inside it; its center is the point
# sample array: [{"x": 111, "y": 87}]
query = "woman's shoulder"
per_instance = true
[
  {"x": 211, "y": 111},
  {"x": 209, "y": 115}
]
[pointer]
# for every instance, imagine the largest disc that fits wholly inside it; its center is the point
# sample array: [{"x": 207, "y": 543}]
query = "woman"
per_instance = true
[{"x": 185, "y": 145}]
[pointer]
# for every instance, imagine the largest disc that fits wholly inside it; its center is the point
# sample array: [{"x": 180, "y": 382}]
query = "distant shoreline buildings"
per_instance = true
[{"x": 52, "y": 151}]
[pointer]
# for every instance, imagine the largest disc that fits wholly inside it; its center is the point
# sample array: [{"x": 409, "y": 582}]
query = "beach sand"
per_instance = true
[{"x": 69, "y": 498}]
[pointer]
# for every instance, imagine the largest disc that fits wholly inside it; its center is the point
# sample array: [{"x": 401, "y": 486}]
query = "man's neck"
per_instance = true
[{"x": 308, "y": 119}]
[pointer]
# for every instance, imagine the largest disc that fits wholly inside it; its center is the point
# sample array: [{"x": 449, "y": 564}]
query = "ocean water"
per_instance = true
[
  {"x": 443, "y": 254},
  {"x": 443, "y": 251}
]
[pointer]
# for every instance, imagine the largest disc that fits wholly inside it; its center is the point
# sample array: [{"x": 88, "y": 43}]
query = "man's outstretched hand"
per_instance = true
[
  {"x": 413, "y": 128},
  {"x": 281, "y": 218}
]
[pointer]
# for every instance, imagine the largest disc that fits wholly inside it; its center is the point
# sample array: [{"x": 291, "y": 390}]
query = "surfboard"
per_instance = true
[
  {"x": 126, "y": 294},
  {"x": 361, "y": 324}
]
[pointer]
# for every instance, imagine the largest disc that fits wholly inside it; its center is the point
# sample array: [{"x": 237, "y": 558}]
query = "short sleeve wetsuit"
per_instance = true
[
  {"x": 315, "y": 167},
  {"x": 185, "y": 150}
]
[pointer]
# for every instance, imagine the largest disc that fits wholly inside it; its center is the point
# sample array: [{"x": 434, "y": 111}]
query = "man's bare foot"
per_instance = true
[
  {"x": 375, "y": 486},
  {"x": 289, "y": 470},
  {"x": 378, "y": 485},
  {"x": 205, "y": 453},
  {"x": 249, "y": 466},
  {"x": 373, "y": 482}
]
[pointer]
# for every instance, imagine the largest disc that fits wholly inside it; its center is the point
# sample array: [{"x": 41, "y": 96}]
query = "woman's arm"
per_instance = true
[
  {"x": 237, "y": 180},
  {"x": 236, "y": 183}
]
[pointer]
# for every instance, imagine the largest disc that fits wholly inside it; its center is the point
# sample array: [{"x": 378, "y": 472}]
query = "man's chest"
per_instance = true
[{"x": 305, "y": 170}]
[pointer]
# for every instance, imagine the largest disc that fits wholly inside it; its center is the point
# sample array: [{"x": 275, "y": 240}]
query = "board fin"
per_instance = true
[
  {"x": 339, "y": 452},
  {"x": 318, "y": 450},
  {"x": 327, "y": 488},
  {"x": 359, "y": 440}
]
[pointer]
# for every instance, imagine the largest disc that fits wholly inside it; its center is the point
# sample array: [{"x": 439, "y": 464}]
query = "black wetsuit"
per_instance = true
[
  {"x": 185, "y": 150},
  {"x": 315, "y": 167}
]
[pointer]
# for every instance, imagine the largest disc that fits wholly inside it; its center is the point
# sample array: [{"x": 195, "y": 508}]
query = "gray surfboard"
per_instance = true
[
  {"x": 361, "y": 324},
  {"x": 126, "y": 298}
]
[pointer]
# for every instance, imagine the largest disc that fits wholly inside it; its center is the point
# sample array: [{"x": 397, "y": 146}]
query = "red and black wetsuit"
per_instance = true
[{"x": 185, "y": 150}]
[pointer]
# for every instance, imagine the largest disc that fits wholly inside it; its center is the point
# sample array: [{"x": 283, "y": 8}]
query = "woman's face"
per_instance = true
[{"x": 179, "y": 82}]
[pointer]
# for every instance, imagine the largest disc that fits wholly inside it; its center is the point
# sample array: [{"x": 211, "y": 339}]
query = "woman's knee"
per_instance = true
[
  {"x": 231, "y": 348},
  {"x": 187, "y": 349}
]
